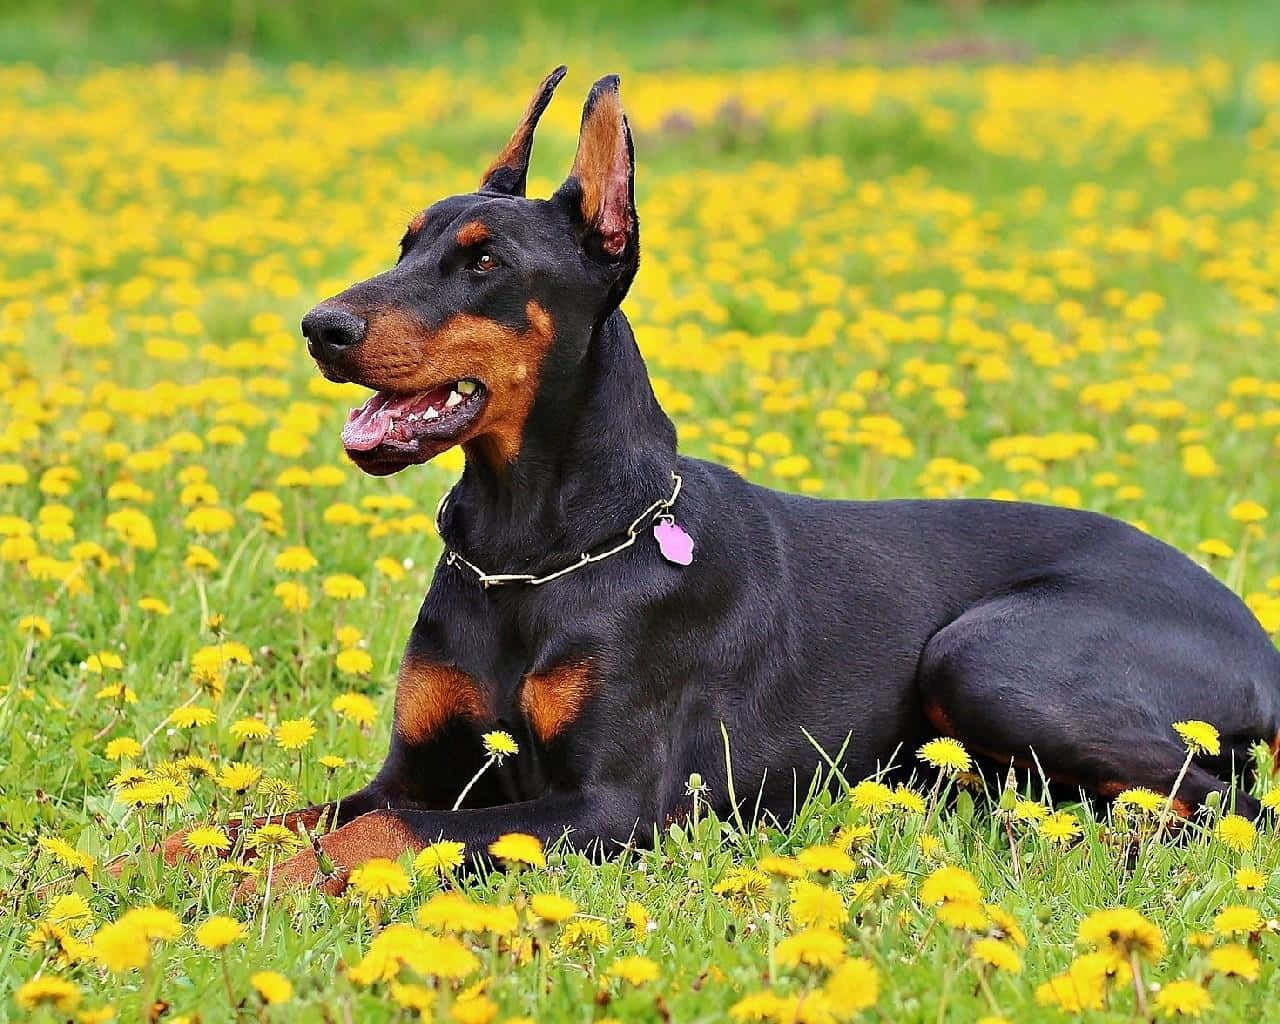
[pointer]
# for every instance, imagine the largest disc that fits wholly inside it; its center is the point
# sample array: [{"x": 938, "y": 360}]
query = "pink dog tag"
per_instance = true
[{"x": 676, "y": 545}]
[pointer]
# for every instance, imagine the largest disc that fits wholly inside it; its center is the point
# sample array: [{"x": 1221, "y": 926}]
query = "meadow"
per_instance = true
[{"x": 1050, "y": 281}]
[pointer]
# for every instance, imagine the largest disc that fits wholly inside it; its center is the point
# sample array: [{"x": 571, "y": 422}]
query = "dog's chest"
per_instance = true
[{"x": 437, "y": 691}]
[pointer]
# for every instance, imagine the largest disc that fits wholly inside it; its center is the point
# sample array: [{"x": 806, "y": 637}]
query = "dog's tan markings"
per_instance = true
[
  {"x": 418, "y": 223},
  {"x": 939, "y": 718},
  {"x": 473, "y": 232},
  {"x": 401, "y": 354},
  {"x": 597, "y": 149},
  {"x": 428, "y": 695},
  {"x": 602, "y": 168},
  {"x": 376, "y": 834},
  {"x": 509, "y": 167},
  {"x": 1275, "y": 754},
  {"x": 552, "y": 700}
]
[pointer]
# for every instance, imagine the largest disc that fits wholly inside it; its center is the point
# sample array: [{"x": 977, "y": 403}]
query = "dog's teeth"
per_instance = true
[
  {"x": 413, "y": 417},
  {"x": 467, "y": 387},
  {"x": 430, "y": 414},
  {"x": 453, "y": 399}
]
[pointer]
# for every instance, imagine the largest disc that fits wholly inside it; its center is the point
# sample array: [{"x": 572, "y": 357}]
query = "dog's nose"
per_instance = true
[{"x": 330, "y": 329}]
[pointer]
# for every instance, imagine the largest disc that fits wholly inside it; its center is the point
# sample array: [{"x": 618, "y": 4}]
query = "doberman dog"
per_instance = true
[{"x": 569, "y": 610}]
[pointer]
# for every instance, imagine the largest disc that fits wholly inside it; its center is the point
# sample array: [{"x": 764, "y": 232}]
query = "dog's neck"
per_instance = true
[{"x": 597, "y": 450}]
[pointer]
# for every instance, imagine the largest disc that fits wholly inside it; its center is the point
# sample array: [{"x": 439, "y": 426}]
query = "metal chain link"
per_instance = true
[{"x": 654, "y": 511}]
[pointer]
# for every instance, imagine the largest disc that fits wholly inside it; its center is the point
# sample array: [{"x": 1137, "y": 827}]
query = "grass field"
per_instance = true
[{"x": 1052, "y": 281}]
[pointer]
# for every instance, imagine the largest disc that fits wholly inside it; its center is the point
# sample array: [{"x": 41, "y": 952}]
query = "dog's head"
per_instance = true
[{"x": 493, "y": 295}]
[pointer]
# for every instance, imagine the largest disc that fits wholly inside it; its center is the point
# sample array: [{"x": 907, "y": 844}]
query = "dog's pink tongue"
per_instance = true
[{"x": 366, "y": 427}]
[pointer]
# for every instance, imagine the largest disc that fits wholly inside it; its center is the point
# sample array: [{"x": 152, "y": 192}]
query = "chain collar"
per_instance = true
[{"x": 660, "y": 509}]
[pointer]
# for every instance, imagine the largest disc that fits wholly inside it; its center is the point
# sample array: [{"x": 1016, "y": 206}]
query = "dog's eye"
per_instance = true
[{"x": 482, "y": 263}]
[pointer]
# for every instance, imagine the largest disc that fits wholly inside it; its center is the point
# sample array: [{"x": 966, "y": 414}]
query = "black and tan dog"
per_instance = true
[{"x": 870, "y": 626}]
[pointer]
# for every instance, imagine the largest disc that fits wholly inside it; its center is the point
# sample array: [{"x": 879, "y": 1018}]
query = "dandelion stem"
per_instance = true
[
  {"x": 226, "y": 980},
  {"x": 474, "y": 779},
  {"x": 266, "y": 897},
  {"x": 1139, "y": 992}
]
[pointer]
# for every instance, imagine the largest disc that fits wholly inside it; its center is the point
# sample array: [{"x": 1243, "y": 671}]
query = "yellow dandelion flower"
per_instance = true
[
  {"x": 950, "y": 885},
  {"x": 272, "y": 988},
  {"x": 1060, "y": 828},
  {"x": 852, "y": 987},
  {"x": 35, "y": 625},
  {"x": 293, "y": 596},
  {"x": 760, "y": 1006},
  {"x": 963, "y": 916},
  {"x": 518, "y": 848},
  {"x": 239, "y": 776},
  {"x": 907, "y": 799},
  {"x": 1139, "y": 800},
  {"x": 389, "y": 568},
  {"x": 1215, "y": 548},
  {"x": 123, "y": 748},
  {"x": 250, "y": 729},
  {"x": 1236, "y": 832},
  {"x": 1250, "y": 880},
  {"x": 499, "y": 745},
  {"x": 380, "y": 879},
  {"x": 637, "y": 917},
  {"x": 219, "y": 932},
  {"x": 295, "y": 559},
  {"x": 826, "y": 860},
  {"x": 343, "y": 587},
  {"x": 1247, "y": 512},
  {"x": 946, "y": 755},
  {"x": 1235, "y": 961},
  {"x": 51, "y": 991},
  {"x": 443, "y": 857},
  {"x": 416, "y": 998},
  {"x": 781, "y": 867},
  {"x": 1182, "y": 999},
  {"x": 635, "y": 970},
  {"x": 1237, "y": 919},
  {"x": 872, "y": 796},
  {"x": 70, "y": 908},
  {"x": 192, "y": 718},
  {"x": 206, "y": 839},
  {"x": 120, "y": 948},
  {"x": 997, "y": 954},
  {"x": 583, "y": 933},
  {"x": 1122, "y": 930},
  {"x": 812, "y": 947},
  {"x": 1200, "y": 738},
  {"x": 153, "y": 923},
  {"x": 474, "y": 1009},
  {"x": 295, "y": 733},
  {"x": 552, "y": 908},
  {"x": 1006, "y": 924},
  {"x": 354, "y": 662},
  {"x": 814, "y": 905},
  {"x": 274, "y": 838},
  {"x": 355, "y": 707}
]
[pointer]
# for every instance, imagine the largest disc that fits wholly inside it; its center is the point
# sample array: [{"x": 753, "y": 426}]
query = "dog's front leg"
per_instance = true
[{"x": 604, "y": 817}]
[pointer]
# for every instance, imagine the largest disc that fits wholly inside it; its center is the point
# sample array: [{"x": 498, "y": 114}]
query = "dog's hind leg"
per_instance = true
[{"x": 1065, "y": 681}]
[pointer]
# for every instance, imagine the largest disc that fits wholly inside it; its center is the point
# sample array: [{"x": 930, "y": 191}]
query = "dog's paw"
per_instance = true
[{"x": 301, "y": 871}]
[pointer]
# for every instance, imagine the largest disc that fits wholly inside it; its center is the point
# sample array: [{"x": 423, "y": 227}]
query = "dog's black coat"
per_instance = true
[{"x": 869, "y": 625}]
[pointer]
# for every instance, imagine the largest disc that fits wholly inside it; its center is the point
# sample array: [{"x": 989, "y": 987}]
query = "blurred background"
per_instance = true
[{"x": 647, "y": 36}]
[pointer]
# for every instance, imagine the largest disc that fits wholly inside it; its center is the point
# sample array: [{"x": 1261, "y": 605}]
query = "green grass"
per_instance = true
[
  {"x": 821, "y": 277},
  {"x": 650, "y": 36}
]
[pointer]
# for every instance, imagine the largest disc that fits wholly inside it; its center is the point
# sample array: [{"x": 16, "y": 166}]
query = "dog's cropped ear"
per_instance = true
[
  {"x": 600, "y": 188},
  {"x": 510, "y": 169}
]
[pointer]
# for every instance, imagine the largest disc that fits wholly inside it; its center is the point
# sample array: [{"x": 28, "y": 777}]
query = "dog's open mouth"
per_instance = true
[{"x": 391, "y": 430}]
